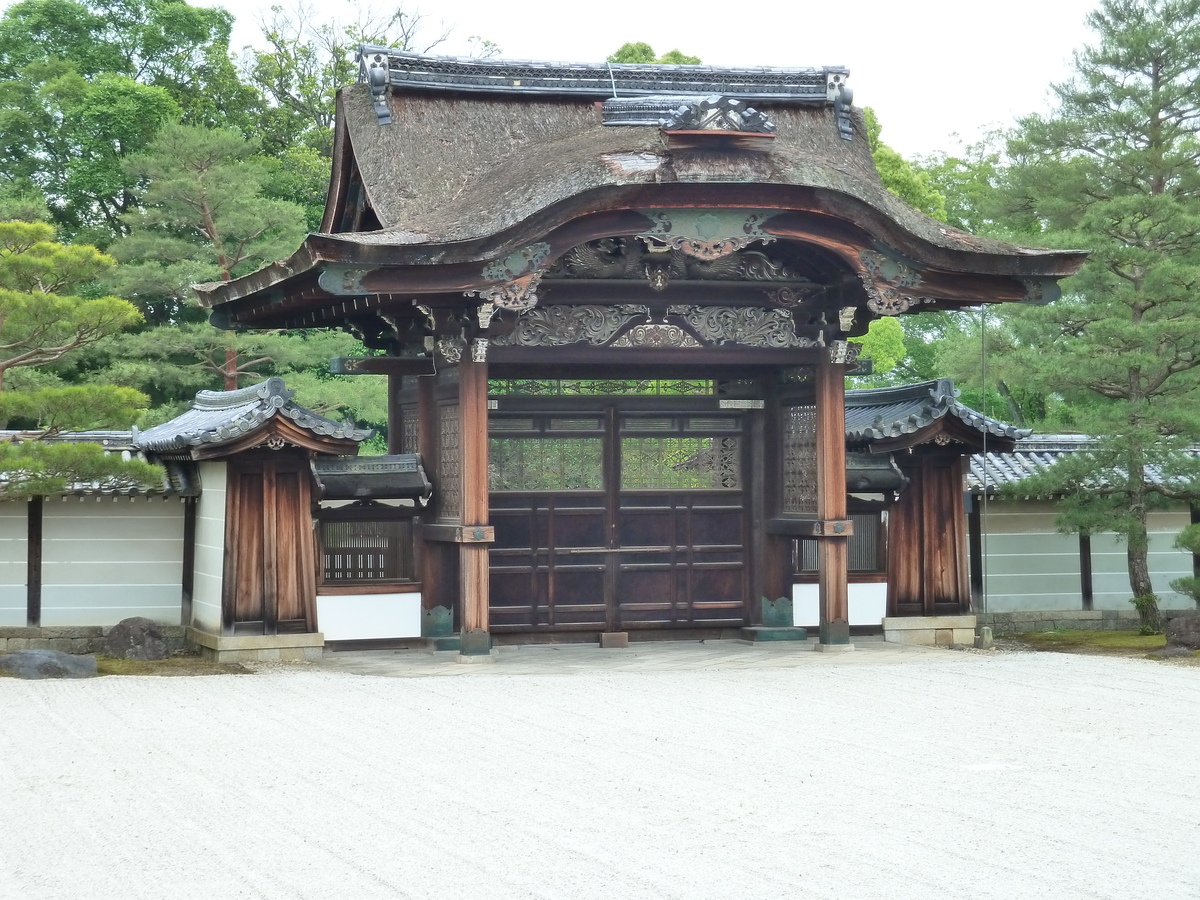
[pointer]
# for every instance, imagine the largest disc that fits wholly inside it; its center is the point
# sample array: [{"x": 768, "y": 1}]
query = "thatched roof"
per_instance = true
[{"x": 443, "y": 162}]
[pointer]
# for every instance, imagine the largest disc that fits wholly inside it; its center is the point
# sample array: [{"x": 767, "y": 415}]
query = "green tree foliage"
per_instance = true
[
  {"x": 43, "y": 318},
  {"x": 200, "y": 217},
  {"x": 83, "y": 83},
  {"x": 308, "y": 58},
  {"x": 643, "y": 53},
  {"x": 901, "y": 177},
  {"x": 1116, "y": 169}
]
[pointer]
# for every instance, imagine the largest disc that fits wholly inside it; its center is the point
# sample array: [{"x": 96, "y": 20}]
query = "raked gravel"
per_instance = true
[{"x": 952, "y": 775}]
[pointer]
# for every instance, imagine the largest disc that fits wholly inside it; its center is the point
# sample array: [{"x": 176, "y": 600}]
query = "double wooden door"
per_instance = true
[{"x": 617, "y": 519}]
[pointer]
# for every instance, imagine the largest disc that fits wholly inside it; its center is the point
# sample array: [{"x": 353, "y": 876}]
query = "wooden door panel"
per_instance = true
[{"x": 663, "y": 545}]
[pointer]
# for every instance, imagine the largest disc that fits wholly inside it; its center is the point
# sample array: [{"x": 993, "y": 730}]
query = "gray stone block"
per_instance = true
[
  {"x": 72, "y": 632},
  {"x": 614, "y": 640},
  {"x": 20, "y": 632}
]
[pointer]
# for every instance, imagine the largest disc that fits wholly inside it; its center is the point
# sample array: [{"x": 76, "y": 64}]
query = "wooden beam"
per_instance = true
[
  {"x": 1085, "y": 571},
  {"x": 832, "y": 549},
  {"x": 270, "y": 555},
  {"x": 33, "y": 560},
  {"x": 189, "y": 561},
  {"x": 381, "y": 365}
]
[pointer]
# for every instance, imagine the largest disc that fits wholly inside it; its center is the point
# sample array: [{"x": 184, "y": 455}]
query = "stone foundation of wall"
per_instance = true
[
  {"x": 930, "y": 631},
  {"x": 1005, "y": 623},
  {"x": 258, "y": 648},
  {"x": 78, "y": 639}
]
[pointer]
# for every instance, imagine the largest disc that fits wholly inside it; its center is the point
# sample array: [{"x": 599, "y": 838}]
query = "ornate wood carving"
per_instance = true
[
  {"x": 889, "y": 284},
  {"x": 518, "y": 263},
  {"x": 451, "y": 349},
  {"x": 718, "y": 113},
  {"x": 746, "y": 325},
  {"x": 655, "y": 335},
  {"x": 634, "y": 258},
  {"x": 799, "y": 460},
  {"x": 681, "y": 326},
  {"x": 519, "y": 294},
  {"x": 449, "y": 468},
  {"x": 707, "y": 235},
  {"x": 844, "y": 352},
  {"x": 558, "y": 326}
]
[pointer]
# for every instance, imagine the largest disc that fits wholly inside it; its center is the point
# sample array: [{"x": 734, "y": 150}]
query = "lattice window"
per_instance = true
[
  {"x": 602, "y": 387},
  {"x": 408, "y": 430},
  {"x": 681, "y": 463},
  {"x": 449, "y": 467},
  {"x": 866, "y": 547},
  {"x": 800, "y": 460},
  {"x": 545, "y": 464},
  {"x": 367, "y": 550}
]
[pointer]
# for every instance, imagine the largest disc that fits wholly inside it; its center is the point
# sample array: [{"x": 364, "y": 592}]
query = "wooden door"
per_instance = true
[
  {"x": 270, "y": 563},
  {"x": 617, "y": 520}
]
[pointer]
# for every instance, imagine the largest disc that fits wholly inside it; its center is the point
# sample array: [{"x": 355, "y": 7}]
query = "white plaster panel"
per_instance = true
[
  {"x": 109, "y": 604},
  {"x": 210, "y": 548},
  {"x": 349, "y": 617},
  {"x": 867, "y": 604},
  {"x": 13, "y": 610},
  {"x": 1029, "y": 565},
  {"x": 14, "y": 529},
  {"x": 806, "y": 605}
]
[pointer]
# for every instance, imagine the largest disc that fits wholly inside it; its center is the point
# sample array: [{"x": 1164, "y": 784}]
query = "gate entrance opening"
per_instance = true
[{"x": 617, "y": 514}]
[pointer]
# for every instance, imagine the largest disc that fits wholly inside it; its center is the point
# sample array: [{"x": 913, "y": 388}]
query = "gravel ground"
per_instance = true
[{"x": 1013, "y": 775}]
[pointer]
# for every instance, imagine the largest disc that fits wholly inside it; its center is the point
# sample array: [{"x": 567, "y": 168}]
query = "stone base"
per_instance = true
[
  {"x": 930, "y": 631},
  {"x": 76, "y": 639},
  {"x": 614, "y": 640},
  {"x": 477, "y": 658},
  {"x": 833, "y": 648},
  {"x": 258, "y": 647},
  {"x": 765, "y": 634}
]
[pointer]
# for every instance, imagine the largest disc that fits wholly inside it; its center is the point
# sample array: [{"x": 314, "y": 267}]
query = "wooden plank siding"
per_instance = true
[{"x": 270, "y": 571}]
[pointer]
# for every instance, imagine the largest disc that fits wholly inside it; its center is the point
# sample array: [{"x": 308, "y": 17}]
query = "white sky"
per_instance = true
[{"x": 929, "y": 68}]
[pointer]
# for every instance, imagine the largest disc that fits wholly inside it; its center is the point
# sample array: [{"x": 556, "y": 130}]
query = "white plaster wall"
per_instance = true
[
  {"x": 106, "y": 559},
  {"x": 210, "y": 548},
  {"x": 14, "y": 529},
  {"x": 867, "y": 604},
  {"x": 1110, "y": 570},
  {"x": 349, "y": 617},
  {"x": 1028, "y": 564}
]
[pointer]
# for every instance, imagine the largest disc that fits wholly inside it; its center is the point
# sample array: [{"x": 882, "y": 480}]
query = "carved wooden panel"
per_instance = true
[
  {"x": 545, "y": 464},
  {"x": 681, "y": 463},
  {"x": 449, "y": 468},
  {"x": 799, "y": 460},
  {"x": 409, "y": 435}
]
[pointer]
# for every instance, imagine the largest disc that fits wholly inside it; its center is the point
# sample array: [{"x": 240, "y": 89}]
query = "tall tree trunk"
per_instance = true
[{"x": 1137, "y": 550}]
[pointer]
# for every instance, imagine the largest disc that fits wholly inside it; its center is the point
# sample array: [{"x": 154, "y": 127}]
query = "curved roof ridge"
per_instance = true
[{"x": 220, "y": 417}]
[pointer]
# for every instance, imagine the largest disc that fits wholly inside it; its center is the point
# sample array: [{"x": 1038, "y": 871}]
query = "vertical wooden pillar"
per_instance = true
[
  {"x": 832, "y": 550},
  {"x": 975, "y": 548},
  {"x": 33, "y": 562},
  {"x": 189, "y": 561},
  {"x": 395, "y": 383},
  {"x": 473, "y": 548}
]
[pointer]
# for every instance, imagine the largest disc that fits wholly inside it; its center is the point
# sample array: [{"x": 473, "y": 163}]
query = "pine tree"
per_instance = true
[{"x": 1116, "y": 170}]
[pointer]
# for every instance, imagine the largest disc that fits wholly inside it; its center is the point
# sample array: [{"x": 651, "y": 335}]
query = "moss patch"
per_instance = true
[
  {"x": 176, "y": 665},
  {"x": 1103, "y": 643}
]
